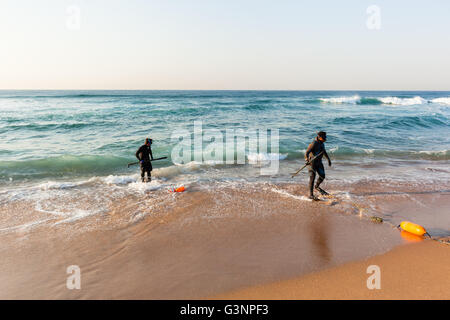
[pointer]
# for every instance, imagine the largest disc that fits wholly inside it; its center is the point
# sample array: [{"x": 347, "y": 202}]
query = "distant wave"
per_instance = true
[
  {"x": 134, "y": 95},
  {"x": 417, "y": 100},
  {"x": 403, "y": 101},
  {"x": 352, "y": 99},
  {"x": 51, "y": 126},
  {"x": 85, "y": 166},
  {"x": 347, "y": 153},
  {"x": 67, "y": 165},
  {"x": 402, "y": 121},
  {"x": 441, "y": 100},
  {"x": 380, "y": 154},
  {"x": 66, "y": 96},
  {"x": 257, "y": 107},
  {"x": 415, "y": 122},
  {"x": 255, "y": 103}
]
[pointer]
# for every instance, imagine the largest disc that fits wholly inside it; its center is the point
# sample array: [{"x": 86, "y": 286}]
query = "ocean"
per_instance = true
[
  {"x": 75, "y": 143},
  {"x": 67, "y": 196},
  {"x": 47, "y": 135}
]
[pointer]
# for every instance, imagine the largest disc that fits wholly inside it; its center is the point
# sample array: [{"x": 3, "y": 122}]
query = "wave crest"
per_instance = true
[
  {"x": 403, "y": 101},
  {"x": 445, "y": 100},
  {"x": 254, "y": 158},
  {"x": 391, "y": 100},
  {"x": 353, "y": 99}
]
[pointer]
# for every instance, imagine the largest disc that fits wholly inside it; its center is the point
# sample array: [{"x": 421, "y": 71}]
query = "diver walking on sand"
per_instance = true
[
  {"x": 145, "y": 156},
  {"x": 317, "y": 150}
]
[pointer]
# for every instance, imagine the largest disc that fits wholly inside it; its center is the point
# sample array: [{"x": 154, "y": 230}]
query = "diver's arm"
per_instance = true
[
  {"x": 309, "y": 150},
  {"x": 151, "y": 154},
  {"x": 325, "y": 154},
  {"x": 137, "y": 153}
]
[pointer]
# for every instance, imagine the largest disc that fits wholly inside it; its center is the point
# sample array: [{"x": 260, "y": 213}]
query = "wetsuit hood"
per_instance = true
[{"x": 323, "y": 135}]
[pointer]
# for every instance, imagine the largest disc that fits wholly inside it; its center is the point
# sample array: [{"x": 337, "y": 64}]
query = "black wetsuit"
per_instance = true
[
  {"x": 316, "y": 166},
  {"x": 145, "y": 153}
]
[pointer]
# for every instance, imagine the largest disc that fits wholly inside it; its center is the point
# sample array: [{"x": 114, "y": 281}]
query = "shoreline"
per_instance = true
[
  {"x": 210, "y": 240},
  {"x": 407, "y": 272}
]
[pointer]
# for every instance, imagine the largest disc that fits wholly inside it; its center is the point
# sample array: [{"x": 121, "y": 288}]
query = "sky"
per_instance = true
[{"x": 225, "y": 45}]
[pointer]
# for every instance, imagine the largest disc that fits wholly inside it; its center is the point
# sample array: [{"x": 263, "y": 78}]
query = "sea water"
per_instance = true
[
  {"x": 65, "y": 153},
  {"x": 70, "y": 134}
]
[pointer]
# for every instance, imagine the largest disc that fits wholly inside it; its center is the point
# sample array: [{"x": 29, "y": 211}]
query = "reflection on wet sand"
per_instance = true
[
  {"x": 202, "y": 242},
  {"x": 319, "y": 232}
]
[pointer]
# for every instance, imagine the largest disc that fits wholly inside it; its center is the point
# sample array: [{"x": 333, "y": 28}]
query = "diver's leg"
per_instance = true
[
  {"x": 312, "y": 177},
  {"x": 142, "y": 173},
  {"x": 321, "y": 172},
  {"x": 149, "y": 173}
]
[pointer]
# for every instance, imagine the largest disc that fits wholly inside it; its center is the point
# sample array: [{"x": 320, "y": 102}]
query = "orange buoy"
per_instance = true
[
  {"x": 179, "y": 189},
  {"x": 413, "y": 228},
  {"x": 410, "y": 237}
]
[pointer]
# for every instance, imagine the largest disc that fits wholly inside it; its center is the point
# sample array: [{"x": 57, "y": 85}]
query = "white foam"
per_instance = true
[
  {"x": 403, "y": 101},
  {"x": 178, "y": 169},
  {"x": 333, "y": 150},
  {"x": 433, "y": 152},
  {"x": 77, "y": 215},
  {"x": 138, "y": 217},
  {"x": 68, "y": 211},
  {"x": 38, "y": 207},
  {"x": 342, "y": 194},
  {"x": 417, "y": 100},
  {"x": 353, "y": 99},
  {"x": 53, "y": 185},
  {"x": 143, "y": 187},
  {"x": 287, "y": 194},
  {"x": 119, "y": 180},
  {"x": 445, "y": 100},
  {"x": 25, "y": 226},
  {"x": 265, "y": 157}
]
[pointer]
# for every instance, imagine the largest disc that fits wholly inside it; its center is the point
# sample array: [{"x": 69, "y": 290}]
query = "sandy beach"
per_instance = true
[
  {"x": 412, "y": 271},
  {"x": 210, "y": 241}
]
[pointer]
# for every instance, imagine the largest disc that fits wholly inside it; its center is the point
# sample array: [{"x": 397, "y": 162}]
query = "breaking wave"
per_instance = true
[
  {"x": 392, "y": 100},
  {"x": 265, "y": 157}
]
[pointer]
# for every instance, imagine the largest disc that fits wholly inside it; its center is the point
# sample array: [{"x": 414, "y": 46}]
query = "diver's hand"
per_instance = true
[
  {"x": 142, "y": 161},
  {"x": 329, "y": 163}
]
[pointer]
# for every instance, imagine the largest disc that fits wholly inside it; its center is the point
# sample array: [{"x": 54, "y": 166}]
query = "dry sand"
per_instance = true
[{"x": 412, "y": 271}]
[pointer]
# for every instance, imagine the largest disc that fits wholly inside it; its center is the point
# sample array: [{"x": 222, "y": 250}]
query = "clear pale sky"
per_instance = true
[{"x": 228, "y": 44}]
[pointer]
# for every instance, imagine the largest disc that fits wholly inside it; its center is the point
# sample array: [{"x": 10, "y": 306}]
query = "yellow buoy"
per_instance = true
[
  {"x": 413, "y": 228},
  {"x": 408, "y": 236}
]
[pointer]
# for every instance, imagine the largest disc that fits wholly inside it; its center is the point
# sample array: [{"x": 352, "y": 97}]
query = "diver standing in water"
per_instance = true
[
  {"x": 317, "y": 149},
  {"x": 144, "y": 155}
]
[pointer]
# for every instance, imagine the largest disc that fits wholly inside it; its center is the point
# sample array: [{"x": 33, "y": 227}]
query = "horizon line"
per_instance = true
[{"x": 387, "y": 90}]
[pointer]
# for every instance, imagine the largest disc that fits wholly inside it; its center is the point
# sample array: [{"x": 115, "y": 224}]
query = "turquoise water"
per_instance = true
[{"x": 64, "y": 134}]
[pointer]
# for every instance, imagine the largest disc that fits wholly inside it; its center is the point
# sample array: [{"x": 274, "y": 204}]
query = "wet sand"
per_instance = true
[
  {"x": 201, "y": 243},
  {"x": 413, "y": 271}
]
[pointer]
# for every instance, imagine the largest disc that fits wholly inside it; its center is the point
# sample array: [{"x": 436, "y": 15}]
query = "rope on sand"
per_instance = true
[{"x": 377, "y": 219}]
